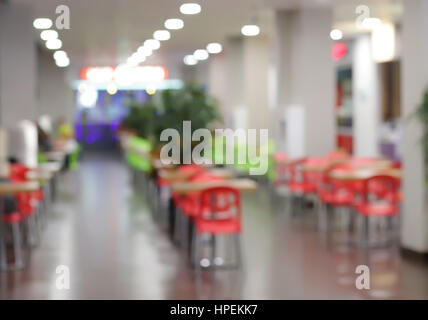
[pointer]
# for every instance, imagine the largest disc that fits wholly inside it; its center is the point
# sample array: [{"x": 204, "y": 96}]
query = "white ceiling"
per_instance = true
[{"x": 105, "y": 32}]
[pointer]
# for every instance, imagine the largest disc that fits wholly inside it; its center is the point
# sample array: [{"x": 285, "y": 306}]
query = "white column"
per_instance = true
[
  {"x": 217, "y": 80},
  {"x": 366, "y": 111},
  {"x": 256, "y": 64},
  {"x": 18, "y": 65},
  {"x": 236, "y": 115},
  {"x": 305, "y": 81},
  {"x": 414, "y": 231}
]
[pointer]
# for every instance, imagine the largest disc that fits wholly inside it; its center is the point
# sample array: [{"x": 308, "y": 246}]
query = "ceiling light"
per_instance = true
[
  {"x": 214, "y": 48},
  {"x": 190, "y": 60},
  {"x": 145, "y": 51},
  {"x": 151, "y": 89},
  {"x": 250, "y": 30},
  {"x": 42, "y": 23},
  {"x": 139, "y": 57},
  {"x": 161, "y": 35},
  {"x": 201, "y": 54},
  {"x": 152, "y": 44},
  {"x": 111, "y": 88},
  {"x": 62, "y": 62},
  {"x": 190, "y": 8},
  {"x": 60, "y": 54},
  {"x": 174, "y": 24},
  {"x": 54, "y": 44},
  {"x": 48, "y": 35},
  {"x": 336, "y": 34}
]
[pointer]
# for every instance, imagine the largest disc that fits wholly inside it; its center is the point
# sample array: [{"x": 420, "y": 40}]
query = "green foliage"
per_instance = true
[
  {"x": 422, "y": 114},
  {"x": 169, "y": 109}
]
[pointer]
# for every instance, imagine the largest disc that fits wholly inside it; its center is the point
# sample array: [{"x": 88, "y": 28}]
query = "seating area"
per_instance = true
[
  {"x": 28, "y": 187},
  {"x": 213, "y": 150}
]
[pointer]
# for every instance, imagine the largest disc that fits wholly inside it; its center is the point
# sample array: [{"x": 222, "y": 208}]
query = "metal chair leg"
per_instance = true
[
  {"x": 17, "y": 246},
  {"x": 238, "y": 250},
  {"x": 3, "y": 257},
  {"x": 196, "y": 259}
]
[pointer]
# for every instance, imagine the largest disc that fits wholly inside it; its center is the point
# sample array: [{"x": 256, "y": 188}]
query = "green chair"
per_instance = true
[
  {"x": 74, "y": 158},
  {"x": 136, "y": 160}
]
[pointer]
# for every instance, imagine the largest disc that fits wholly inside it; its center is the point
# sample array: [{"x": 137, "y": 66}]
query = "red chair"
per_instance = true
[
  {"x": 219, "y": 214},
  {"x": 334, "y": 194},
  {"x": 371, "y": 205},
  {"x": 28, "y": 203},
  {"x": 302, "y": 183},
  {"x": 188, "y": 205}
]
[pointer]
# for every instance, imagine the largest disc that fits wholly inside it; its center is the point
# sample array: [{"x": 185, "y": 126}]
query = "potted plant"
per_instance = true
[{"x": 168, "y": 109}]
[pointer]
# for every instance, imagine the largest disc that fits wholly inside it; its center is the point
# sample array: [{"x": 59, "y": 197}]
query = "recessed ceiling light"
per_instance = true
[
  {"x": 48, "y": 35},
  {"x": 60, "y": 54},
  {"x": 145, "y": 51},
  {"x": 250, "y": 30},
  {"x": 111, "y": 88},
  {"x": 62, "y": 62},
  {"x": 201, "y": 54},
  {"x": 152, "y": 44},
  {"x": 336, "y": 34},
  {"x": 54, "y": 44},
  {"x": 190, "y": 8},
  {"x": 190, "y": 60},
  {"x": 42, "y": 23},
  {"x": 161, "y": 35},
  {"x": 214, "y": 48},
  {"x": 174, "y": 24}
]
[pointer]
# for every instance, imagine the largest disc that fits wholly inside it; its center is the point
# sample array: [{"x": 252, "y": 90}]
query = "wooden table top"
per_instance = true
[
  {"x": 39, "y": 175},
  {"x": 175, "y": 175},
  {"x": 364, "y": 173},
  {"x": 321, "y": 167},
  {"x": 52, "y": 166},
  {"x": 10, "y": 188},
  {"x": 245, "y": 185}
]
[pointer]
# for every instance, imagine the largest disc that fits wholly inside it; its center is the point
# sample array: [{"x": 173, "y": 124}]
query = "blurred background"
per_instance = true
[{"x": 86, "y": 88}]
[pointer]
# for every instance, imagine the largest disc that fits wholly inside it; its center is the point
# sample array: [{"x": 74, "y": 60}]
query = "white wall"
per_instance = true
[
  {"x": 55, "y": 95},
  {"x": 18, "y": 65},
  {"x": 414, "y": 230}
]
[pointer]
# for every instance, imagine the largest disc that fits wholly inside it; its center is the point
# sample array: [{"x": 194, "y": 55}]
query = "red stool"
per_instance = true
[
  {"x": 219, "y": 214},
  {"x": 371, "y": 205}
]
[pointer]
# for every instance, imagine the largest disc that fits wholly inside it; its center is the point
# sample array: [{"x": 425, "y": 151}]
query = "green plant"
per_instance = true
[
  {"x": 422, "y": 114},
  {"x": 169, "y": 108}
]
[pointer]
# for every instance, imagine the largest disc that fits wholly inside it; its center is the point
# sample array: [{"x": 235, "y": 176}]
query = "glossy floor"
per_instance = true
[{"x": 102, "y": 229}]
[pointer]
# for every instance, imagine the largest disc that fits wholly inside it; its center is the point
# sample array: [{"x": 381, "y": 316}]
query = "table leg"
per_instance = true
[{"x": 3, "y": 258}]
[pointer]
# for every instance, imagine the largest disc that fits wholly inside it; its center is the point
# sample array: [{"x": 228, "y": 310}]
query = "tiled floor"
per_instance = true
[{"x": 102, "y": 230}]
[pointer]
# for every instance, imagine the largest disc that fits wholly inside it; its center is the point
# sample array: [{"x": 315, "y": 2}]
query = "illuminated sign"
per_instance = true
[
  {"x": 124, "y": 74},
  {"x": 338, "y": 51}
]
